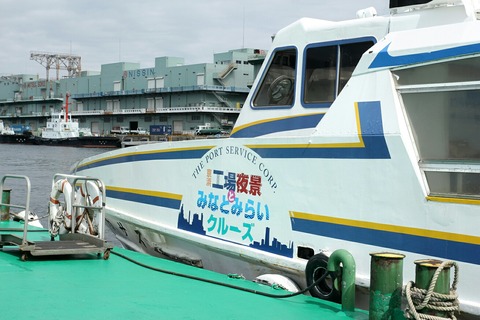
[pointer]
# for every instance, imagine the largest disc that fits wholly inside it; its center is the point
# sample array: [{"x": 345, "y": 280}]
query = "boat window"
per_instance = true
[
  {"x": 325, "y": 74},
  {"x": 278, "y": 85},
  {"x": 444, "y": 118},
  {"x": 320, "y": 74},
  {"x": 350, "y": 55},
  {"x": 453, "y": 71}
]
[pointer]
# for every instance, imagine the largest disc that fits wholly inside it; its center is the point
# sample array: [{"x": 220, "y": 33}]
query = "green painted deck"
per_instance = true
[{"x": 89, "y": 287}]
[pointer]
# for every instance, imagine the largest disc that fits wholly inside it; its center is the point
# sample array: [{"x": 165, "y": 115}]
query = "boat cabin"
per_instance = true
[{"x": 61, "y": 126}]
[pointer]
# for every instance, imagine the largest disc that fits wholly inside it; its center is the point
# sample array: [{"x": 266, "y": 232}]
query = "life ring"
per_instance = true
[
  {"x": 89, "y": 194},
  {"x": 326, "y": 289},
  {"x": 60, "y": 217}
]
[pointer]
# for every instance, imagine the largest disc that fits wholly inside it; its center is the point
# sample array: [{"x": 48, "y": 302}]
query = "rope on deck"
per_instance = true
[
  {"x": 419, "y": 299},
  {"x": 188, "y": 276}
]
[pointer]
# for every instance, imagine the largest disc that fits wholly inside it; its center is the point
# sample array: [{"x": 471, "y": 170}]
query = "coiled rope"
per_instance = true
[{"x": 418, "y": 299}]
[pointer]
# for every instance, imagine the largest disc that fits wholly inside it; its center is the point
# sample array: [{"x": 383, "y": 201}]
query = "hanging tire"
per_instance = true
[{"x": 326, "y": 289}]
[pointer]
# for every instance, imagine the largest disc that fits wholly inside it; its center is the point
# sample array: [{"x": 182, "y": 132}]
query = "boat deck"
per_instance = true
[{"x": 133, "y": 285}]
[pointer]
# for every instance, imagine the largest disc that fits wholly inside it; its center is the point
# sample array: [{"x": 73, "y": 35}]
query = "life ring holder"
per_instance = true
[
  {"x": 89, "y": 196},
  {"x": 58, "y": 215},
  {"x": 327, "y": 289},
  {"x": 79, "y": 204}
]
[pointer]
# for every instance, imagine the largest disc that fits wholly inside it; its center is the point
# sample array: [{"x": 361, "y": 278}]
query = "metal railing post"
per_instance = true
[
  {"x": 5, "y": 210},
  {"x": 27, "y": 202}
]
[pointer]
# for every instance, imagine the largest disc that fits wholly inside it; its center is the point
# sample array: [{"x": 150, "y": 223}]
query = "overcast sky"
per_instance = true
[{"x": 106, "y": 31}]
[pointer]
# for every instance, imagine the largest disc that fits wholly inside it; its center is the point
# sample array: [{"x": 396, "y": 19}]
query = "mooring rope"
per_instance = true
[
  {"x": 15, "y": 215},
  {"x": 419, "y": 299}
]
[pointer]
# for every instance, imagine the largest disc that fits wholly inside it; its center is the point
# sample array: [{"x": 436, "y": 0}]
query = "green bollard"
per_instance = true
[
  {"x": 424, "y": 271},
  {"x": 5, "y": 210},
  {"x": 386, "y": 280},
  {"x": 348, "y": 276}
]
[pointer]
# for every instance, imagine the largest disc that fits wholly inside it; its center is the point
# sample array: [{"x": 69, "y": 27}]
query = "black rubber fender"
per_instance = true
[{"x": 326, "y": 290}]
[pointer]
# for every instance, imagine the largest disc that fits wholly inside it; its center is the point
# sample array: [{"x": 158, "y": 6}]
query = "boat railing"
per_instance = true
[
  {"x": 75, "y": 181},
  {"x": 25, "y": 207},
  {"x": 72, "y": 242}
]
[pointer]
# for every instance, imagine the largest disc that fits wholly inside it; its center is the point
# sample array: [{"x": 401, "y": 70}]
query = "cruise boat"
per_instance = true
[{"x": 359, "y": 134}]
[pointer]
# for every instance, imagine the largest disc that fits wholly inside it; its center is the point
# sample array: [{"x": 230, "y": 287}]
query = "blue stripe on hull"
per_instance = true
[
  {"x": 370, "y": 117},
  {"x": 151, "y": 200},
  {"x": 160, "y": 155},
  {"x": 459, "y": 251},
  {"x": 281, "y": 125},
  {"x": 384, "y": 59},
  {"x": 375, "y": 146}
]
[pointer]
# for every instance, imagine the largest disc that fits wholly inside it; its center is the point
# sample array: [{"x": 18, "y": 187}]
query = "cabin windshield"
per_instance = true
[
  {"x": 278, "y": 84},
  {"x": 325, "y": 74},
  {"x": 442, "y": 102}
]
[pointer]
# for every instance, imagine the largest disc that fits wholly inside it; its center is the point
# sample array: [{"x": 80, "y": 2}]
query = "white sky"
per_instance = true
[{"x": 106, "y": 31}]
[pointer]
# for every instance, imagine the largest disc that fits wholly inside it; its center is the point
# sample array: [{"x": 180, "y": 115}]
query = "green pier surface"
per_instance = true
[{"x": 89, "y": 287}]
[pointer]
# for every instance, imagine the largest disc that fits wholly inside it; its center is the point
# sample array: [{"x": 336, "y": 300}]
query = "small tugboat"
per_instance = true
[
  {"x": 62, "y": 130},
  {"x": 359, "y": 134}
]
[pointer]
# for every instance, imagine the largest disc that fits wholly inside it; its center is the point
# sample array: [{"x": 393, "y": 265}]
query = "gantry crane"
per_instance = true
[{"x": 69, "y": 62}]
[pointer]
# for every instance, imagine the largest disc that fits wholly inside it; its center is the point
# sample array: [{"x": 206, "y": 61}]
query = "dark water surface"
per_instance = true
[{"x": 40, "y": 164}]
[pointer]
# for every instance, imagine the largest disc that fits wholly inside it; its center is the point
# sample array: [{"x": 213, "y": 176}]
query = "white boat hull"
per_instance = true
[
  {"x": 297, "y": 179},
  {"x": 160, "y": 216}
]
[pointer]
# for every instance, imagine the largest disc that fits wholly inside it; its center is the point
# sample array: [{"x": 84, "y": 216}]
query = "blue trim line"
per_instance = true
[
  {"x": 160, "y": 155},
  {"x": 294, "y": 123},
  {"x": 459, "y": 251},
  {"x": 372, "y": 133},
  {"x": 145, "y": 199},
  {"x": 384, "y": 59},
  {"x": 375, "y": 146}
]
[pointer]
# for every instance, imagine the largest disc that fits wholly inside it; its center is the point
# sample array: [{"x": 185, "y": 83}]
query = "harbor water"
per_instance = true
[{"x": 40, "y": 164}]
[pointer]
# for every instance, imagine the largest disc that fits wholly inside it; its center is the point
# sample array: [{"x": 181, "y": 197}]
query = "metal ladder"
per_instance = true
[{"x": 68, "y": 244}]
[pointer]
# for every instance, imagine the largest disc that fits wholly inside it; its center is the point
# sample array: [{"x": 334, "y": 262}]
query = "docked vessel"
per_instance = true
[
  {"x": 4, "y": 130},
  {"x": 8, "y": 135},
  {"x": 359, "y": 134},
  {"x": 62, "y": 130},
  {"x": 75, "y": 241}
]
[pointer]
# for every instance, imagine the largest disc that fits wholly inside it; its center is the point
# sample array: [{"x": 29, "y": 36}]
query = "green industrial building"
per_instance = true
[{"x": 171, "y": 94}]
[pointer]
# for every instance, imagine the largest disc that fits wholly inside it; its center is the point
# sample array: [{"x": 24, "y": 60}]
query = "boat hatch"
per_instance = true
[{"x": 443, "y": 110}]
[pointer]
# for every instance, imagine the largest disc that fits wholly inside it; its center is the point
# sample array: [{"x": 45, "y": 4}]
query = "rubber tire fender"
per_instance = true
[{"x": 316, "y": 267}]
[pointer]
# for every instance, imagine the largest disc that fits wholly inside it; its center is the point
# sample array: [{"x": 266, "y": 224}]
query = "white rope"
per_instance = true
[{"x": 419, "y": 299}]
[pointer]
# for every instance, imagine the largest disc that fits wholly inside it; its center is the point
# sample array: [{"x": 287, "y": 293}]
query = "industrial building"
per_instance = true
[{"x": 173, "y": 96}]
